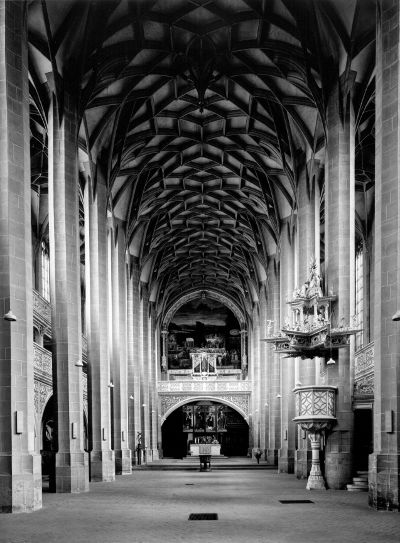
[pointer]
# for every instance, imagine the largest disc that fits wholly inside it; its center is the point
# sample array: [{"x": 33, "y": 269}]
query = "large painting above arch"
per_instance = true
[{"x": 204, "y": 325}]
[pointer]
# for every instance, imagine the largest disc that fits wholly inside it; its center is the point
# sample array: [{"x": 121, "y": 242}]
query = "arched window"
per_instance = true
[
  {"x": 359, "y": 293},
  {"x": 45, "y": 271}
]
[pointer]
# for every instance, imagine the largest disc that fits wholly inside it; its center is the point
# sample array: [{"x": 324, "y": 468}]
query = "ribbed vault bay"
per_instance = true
[{"x": 203, "y": 116}]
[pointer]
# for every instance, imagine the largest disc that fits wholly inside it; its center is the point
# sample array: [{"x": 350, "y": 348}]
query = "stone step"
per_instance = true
[
  {"x": 362, "y": 474},
  {"x": 217, "y": 463},
  {"x": 360, "y": 485},
  {"x": 360, "y": 480},
  {"x": 190, "y": 460},
  {"x": 353, "y": 488}
]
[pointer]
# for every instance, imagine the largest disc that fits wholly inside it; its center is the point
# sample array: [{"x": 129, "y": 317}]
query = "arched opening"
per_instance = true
[
  {"x": 363, "y": 438},
  {"x": 204, "y": 421},
  {"x": 49, "y": 443},
  {"x": 203, "y": 337},
  {"x": 37, "y": 337}
]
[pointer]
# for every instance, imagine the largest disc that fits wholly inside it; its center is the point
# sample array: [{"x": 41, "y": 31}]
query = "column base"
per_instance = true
[
  {"x": 315, "y": 482},
  {"x": 102, "y": 466},
  {"x": 123, "y": 462},
  {"x": 286, "y": 461},
  {"x": 302, "y": 463},
  {"x": 72, "y": 472},
  {"x": 272, "y": 456},
  {"x": 384, "y": 481},
  {"x": 20, "y": 483},
  {"x": 338, "y": 469},
  {"x": 153, "y": 455}
]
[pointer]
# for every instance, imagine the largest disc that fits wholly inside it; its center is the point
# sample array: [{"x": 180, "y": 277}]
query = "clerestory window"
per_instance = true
[
  {"x": 359, "y": 338},
  {"x": 45, "y": 260}
]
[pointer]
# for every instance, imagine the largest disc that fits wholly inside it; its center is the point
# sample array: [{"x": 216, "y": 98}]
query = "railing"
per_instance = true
[
  {"x": 364, "y": 360},
  {"x": 42, "y": 363},
  {"x": 315, "y": 401},
  {"x": 218, "y": 371},
  {"x": 204, "y": 386},
  {"x": 364, "y": 373},
  {"x": 41, "y": 312}
]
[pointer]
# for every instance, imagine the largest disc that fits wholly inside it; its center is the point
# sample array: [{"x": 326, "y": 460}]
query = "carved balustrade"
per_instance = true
[
  {"x": 43, "y": 375},
  {"x": 315, "y": 404},
  {"x": 204, "y": 386},
  {"x": 364, "y": 373},
  {"x": 42, "y": 364},
  {"x": 41, "y": 313}
]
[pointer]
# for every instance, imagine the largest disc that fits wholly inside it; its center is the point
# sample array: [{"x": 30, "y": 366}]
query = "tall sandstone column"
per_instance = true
[
  {"x": 102, "y": 461},
  {"x": 273, "y": 368},
  {"x": 20, "y": 467},
  {"x": 263, "y": 402},
  {"x": 71, "y": 462},
  {"x": 339, "y": 275},
  {"x": 254, "y": 376},
  {"x": 123, "y": 464},
  {"x": 288, "y": 427},
  {"x": 133, "y": 357},
  {"x": 306, "y": 251},
  {"x": 384, "y": 471},
  {"x": 145, "y": 361},
  {"x": 153, "y": 388}
]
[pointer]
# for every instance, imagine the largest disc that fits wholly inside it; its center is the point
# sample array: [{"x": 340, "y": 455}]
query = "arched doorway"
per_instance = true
[
  {"x": 49, "y": 445},
  {"x": 204, "y": 421},
  {"x": 363, "y": 438}
]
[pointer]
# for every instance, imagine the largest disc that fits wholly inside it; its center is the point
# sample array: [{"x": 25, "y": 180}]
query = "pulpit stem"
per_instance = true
[{"x": 315, "y": 479}]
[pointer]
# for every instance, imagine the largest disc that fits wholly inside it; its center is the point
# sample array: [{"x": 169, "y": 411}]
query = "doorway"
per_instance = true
[
  {"x": 204, "y": 421},
  {"x": 363, "y": 438}
]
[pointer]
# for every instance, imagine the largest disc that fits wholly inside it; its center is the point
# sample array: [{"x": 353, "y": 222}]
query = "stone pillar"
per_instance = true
[
  {"x": 263, "y": 402},
  {"x": 145, "y": 361},
  {"x": 339, "y": 265},
  {"x": 307, "y": 216},
  {"x": 132, "y": 331},
  {"x": 251, "y": 399},
  {"x": 153, "y": 388},
  {"x": 273, "y": 366},
  {"x": 254, "y": 376},
  {"x": 134, "y": 372},
  {"x": 71, "y": 469},
  {"x": 20, "y": 467},
  {"x": 384, "y": 462},
  {"x": 102, "y": 461},
  {"x": 288, "y": 428},
  {"x": 122, "y": 452}
]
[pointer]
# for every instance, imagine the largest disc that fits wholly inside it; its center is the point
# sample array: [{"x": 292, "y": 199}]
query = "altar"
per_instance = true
[{"x": 213, "y": 449}]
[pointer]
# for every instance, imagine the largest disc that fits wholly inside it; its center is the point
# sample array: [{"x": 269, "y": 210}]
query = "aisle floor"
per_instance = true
[{"x": 149, "y": 506}]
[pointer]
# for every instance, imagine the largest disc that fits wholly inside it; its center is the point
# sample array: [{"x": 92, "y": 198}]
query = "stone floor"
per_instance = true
[{"x": 154, "y": 506}]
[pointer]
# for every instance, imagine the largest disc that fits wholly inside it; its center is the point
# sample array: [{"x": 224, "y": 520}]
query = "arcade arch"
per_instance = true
[{"x": 197, "y": 421}]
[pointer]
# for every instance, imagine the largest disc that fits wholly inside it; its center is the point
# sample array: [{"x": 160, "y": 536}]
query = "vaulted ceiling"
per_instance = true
[{"x": 203, "y": 114}]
